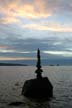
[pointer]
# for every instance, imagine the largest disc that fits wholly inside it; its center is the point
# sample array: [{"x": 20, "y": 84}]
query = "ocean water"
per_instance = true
[{"x": 12, "y": 79}]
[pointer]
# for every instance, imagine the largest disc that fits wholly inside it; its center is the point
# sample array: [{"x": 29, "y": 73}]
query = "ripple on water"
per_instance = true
[{"x": 11, "y": 83}]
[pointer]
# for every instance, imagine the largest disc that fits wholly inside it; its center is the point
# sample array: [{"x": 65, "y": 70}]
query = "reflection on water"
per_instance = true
[
  {"x": 12, "y": 79},
  {"x": 34, "y": 104}
]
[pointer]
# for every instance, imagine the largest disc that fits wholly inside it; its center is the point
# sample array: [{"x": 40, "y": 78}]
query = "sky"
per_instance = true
[{"x": 26, "y": 25}]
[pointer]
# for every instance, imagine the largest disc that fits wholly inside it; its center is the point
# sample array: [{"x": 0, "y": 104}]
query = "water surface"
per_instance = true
[{"x": 13, "y": 77}]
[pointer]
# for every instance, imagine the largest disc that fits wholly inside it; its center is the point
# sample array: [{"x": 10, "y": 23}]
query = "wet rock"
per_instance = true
[
  {"x": 38, "y": 88},
  {"x": 16, "y": 103}
]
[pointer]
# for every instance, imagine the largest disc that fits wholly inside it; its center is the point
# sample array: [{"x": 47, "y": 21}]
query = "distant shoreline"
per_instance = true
[
  {"x": 17, "y": 64},
  {"x": 12, "y": 64},
  {"x": 44, "y": 62}
]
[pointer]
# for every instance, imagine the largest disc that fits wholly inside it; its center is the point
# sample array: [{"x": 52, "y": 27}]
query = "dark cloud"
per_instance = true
[{"x": 19, "y": 46}]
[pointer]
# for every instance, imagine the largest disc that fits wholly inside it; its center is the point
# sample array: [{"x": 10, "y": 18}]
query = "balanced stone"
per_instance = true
[{"x": 40, "y": 87}]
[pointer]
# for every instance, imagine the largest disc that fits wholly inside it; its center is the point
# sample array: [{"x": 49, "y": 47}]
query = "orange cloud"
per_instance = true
[
  {"x": 17, "y": 58},
  {"x": 29, "y": 11},
  {"x": 9, "y": 20},
  {"x": 9, "y": 10},
  {"x": 32, "y": 8},
  {"x": 3, "y": 47},
  {"x": 35, "y": 9}
]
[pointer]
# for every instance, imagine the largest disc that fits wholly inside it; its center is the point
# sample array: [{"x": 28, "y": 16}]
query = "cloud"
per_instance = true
[
  {"x": 23, "y": 8},
  {"x": 9, "y": 20},
  {"x": 16, "y": 58},
  {"x": 55, "y": 27},
  {"x": 57, "y": 43},
  {"x": 27, "y": 48},
  {"x": 36, "y": 19},
  {"x": 59, "y": 53},
  {"x": 34, "y": 8},
  {"x": 15, "y": 51},
  {"x": 3, "y": 47}
]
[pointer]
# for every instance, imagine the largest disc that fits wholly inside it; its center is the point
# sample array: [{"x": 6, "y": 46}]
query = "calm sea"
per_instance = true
[{"x": 12, "y": 79}]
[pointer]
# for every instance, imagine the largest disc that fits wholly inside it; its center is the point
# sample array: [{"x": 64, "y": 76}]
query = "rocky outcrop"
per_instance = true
[{"x": 38, "y": 88}]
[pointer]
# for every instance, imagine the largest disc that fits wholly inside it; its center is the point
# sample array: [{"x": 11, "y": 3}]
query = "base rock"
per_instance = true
[{"x": 38, "y": 88}]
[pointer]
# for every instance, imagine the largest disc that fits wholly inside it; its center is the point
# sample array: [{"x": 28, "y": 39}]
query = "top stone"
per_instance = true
[{"x": 39, "y": 70}]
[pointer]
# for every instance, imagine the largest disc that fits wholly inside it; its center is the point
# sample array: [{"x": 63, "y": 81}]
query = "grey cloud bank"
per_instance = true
[{"x": 50, "y": 47}]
